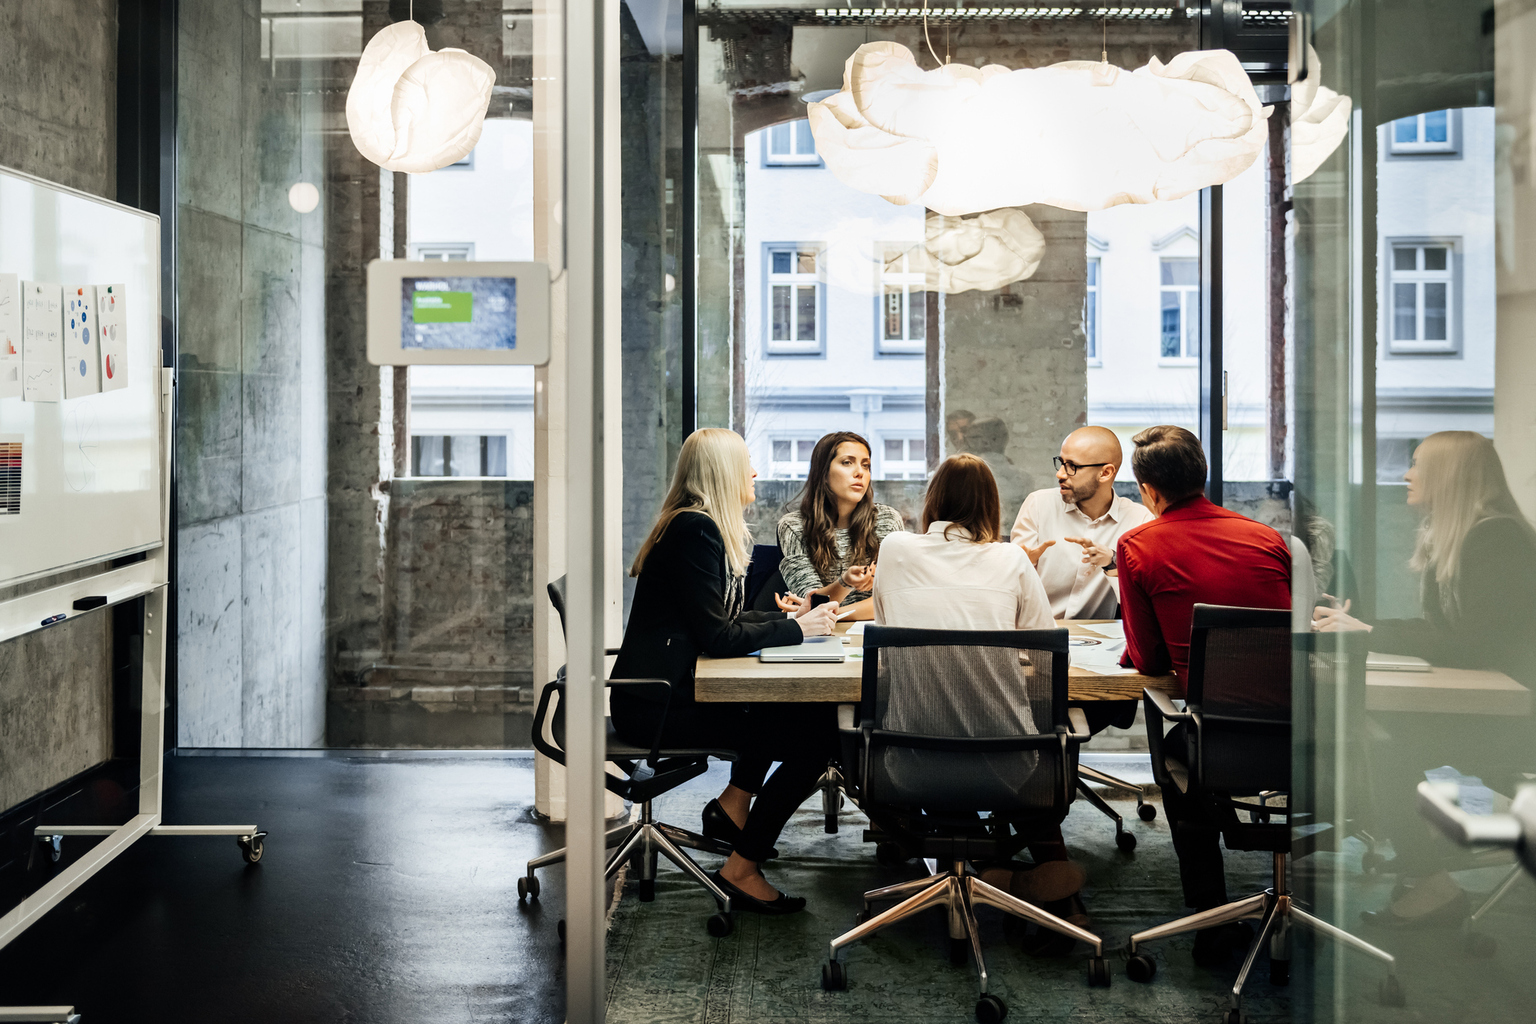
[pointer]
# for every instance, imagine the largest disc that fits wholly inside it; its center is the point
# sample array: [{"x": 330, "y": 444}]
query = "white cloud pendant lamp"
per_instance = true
[
  {"x": 1080, "y": 135},
  {"x": 1319, "y": 120},
  {"x": 413, "y": 109},
  {"x": 982, "y": 253}
]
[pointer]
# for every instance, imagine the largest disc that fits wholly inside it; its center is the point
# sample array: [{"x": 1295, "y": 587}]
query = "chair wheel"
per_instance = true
[
  {"x": 527, "y": 888},
  {"x": 833, "y": 977},
  {"x": 1371, "y": 862},
  {"x": 647, "y": 890},
  {"x": 1098, "y": 972},
  {"x": 863, "y": 916},
  {"x": 959, "y": 951},
  {"x": 250, "y": 847},
  {"x": 1392, "y": 992},
  {"x": 1279, "y": 972},
  {"x": 990, "y": 1010},
  {"x": 1233, "y": 1017},
  {"x": 1482, "y": 946},
  {"x": 1140, "y": 968},
  {"x": 1126, "y": 841},
  {"x": 560, "y": 930},
  {"x": 890, "y": 854},
  {"x": 830, "y": 826},
  {"x": 719, "y": 925},
  {"x": 1146, "y": 812}
]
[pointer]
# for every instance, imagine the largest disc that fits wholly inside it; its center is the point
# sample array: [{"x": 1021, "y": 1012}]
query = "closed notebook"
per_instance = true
[
  {"x": 1394, "y": 663},
  {"x": 813, "y": 648}
]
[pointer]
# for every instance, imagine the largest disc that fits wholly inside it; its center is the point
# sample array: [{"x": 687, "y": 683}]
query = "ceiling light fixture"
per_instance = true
[
  {"x": 981, "y": 253},
  {"x": 413, "y": 109},
  {"x": 1079, "y": 135}
]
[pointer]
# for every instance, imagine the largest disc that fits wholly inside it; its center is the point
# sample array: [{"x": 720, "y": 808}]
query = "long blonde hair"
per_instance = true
[
  {"x": 1463, "y": 484},
  {"x": 711, "y": 477}
]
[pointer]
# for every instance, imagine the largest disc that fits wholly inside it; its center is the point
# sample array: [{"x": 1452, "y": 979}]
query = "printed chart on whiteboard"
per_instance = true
[{"x": 10, "y": 474}]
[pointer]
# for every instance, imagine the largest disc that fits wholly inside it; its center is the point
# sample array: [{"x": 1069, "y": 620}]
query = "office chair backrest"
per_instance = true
[
  {"x": 953, "y": 714},
  {"x": 762, "y": 570},
  {"x": 557, "y": 598},
  {"x": 1240, "y": 667}
]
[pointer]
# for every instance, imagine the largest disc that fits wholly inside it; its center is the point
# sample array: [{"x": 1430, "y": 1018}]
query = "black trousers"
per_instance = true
[
  {"x": 801, "y": 737},
  {"x": 1196, "y": 828}
]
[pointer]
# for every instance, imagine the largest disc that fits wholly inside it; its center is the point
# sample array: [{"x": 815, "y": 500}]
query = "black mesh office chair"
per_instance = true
[
  {"x": 1237, "y": 728},
  {"x": 648, "y": 773},
  {"x": 954, "y": 725}
]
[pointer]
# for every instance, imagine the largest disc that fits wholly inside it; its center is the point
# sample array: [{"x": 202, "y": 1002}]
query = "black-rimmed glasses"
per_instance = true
[{"x": 1072, "y": 467}]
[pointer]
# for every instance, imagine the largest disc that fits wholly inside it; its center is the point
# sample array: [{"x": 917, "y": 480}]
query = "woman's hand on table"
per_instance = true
[
  {"x": 789, "y": 602},
  {"x": 859, "y": 578},
  {"x": 1326, "y": 619},
  {"x": 817, "y": 621}
]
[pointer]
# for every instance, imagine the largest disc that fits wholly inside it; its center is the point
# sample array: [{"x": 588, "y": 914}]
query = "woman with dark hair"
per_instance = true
[
  {"x": 829, "y": 546},
  {"x": 957, "y": 575}
]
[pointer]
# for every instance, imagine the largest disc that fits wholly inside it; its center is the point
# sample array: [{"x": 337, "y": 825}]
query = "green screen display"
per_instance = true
[{"x": 442, "y": 307}]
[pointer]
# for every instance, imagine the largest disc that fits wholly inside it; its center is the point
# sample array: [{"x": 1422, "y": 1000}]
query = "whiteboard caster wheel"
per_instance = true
[
  {"x": 251, "y": 846},
  {"x": 55, "y": 846}
]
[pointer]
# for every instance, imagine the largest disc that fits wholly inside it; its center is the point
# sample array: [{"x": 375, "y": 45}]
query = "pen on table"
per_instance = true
[{"x": 50, "y": 620}]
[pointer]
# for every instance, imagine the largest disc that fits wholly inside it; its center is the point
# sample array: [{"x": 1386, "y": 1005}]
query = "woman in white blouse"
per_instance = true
[{"x": 958, "y": 574}]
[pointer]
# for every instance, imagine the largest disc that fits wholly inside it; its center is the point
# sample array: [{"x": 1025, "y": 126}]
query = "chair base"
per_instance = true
[
  {"x": 1126, "y": 841},
  {"x": 641, "y": 842},
  {"x": 1279, "y": 913},
  {"x": 831, "y": 786},
  {"x": 958, "y": 892}
]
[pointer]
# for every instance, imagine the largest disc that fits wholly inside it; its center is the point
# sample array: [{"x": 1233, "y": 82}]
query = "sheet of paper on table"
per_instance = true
[
  {"x": 857, "y": 629},
  {"x": 1102, "y": 658},
  {"x": 1114, "y": 630}
]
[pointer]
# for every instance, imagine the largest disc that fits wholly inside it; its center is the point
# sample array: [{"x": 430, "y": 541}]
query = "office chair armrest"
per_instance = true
[
  {"x": 610, "y": 651},
  {"x": 1080, "y": 731},
  {"x": 659, "y": 688},
  {"x": 540, "y": 744},
  {"x": 1163, "y": 704}
]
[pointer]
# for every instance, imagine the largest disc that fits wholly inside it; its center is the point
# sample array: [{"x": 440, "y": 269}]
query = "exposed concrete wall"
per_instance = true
[
  {"x": 58, "y": 120},
  {"x": 252, "y": 462}
]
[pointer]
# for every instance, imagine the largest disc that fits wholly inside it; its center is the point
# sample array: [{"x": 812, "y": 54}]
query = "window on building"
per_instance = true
[
  {"x": 1422, "y": 298},
  {"x": 1180, "y": 328},
  {"x": 903, "y": 319},
  {"x": 904, "y": 459},
  {"x": 794, "y": 300},
  {"x": 459, "y": 455},
  {"x": 443, "y": 251},
  {"x": 1424, "y": 133},
  {"x": 1091, "y": 311},
  {"x": 791, "y": 458},
  {"x": 791, "y": 143}
]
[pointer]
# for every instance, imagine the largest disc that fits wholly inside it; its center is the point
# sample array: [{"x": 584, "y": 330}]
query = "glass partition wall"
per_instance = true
[{"x": 1327, "y": 334}]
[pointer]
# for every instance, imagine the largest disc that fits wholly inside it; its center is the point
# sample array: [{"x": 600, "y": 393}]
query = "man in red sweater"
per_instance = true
[{"x": 1194, "y": 552}]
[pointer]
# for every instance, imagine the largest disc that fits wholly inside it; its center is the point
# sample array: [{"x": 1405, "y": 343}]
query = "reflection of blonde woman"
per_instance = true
[{"x": 1476, "y": 555}]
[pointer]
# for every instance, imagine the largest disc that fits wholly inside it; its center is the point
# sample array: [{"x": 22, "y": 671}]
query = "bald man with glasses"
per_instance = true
[{"x": 1070, "y": 531}]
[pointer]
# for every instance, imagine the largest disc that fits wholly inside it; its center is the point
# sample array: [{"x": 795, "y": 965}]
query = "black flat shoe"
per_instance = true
[
  {"x": 742, "y": 901},
  {"x": 1450, "y": 914},
  {"x": 719, "y": 826}
]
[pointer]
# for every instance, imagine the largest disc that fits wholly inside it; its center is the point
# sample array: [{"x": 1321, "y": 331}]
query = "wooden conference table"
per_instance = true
[
  {"x": 1438, "y": 691},
  {"x": 747, "y": 679}
]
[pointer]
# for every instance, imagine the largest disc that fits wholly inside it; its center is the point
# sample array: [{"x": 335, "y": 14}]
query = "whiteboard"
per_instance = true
[{"x": 89, "y": 481}]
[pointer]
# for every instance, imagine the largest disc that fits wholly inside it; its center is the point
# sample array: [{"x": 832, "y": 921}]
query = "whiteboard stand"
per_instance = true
[{"x": 148, "y": 579}]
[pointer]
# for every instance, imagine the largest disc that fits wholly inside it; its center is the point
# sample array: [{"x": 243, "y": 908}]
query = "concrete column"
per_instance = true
[{"x": 1514, "y": 400}]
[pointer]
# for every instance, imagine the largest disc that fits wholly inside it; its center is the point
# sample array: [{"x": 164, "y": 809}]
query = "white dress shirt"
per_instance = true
[
  {"x": 1077, "y": 589},
  {"x": 928, "y": 581}
]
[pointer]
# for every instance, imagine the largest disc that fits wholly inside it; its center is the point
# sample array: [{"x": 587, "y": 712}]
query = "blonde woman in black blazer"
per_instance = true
[{"x": 688, "y": 601}]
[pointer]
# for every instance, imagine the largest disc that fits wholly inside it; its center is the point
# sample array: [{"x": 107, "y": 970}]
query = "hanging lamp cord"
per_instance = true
[{"x": 925, "y": 35}]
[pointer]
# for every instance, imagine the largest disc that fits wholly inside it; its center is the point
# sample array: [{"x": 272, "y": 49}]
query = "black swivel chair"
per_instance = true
[
  {"x": 648, "y": 773},
  {"x": 928, "y": 791},
  {"x": 1237, "y": 728}
]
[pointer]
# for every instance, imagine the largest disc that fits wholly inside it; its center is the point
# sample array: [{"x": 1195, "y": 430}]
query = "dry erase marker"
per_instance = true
[{"x": 53, "y": 618}]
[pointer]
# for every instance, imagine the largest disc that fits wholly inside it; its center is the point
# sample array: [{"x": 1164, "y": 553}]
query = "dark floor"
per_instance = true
[{"x": 386, "y": 894}]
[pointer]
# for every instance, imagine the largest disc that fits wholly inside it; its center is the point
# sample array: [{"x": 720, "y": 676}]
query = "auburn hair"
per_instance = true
[
  {"x": 963, "y": 492},
  {"x": 818, "y": 512}
]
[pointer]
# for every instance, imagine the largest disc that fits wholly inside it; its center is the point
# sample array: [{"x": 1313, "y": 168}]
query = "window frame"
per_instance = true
[
  {"x": 1191, "y": 293},
  {"x": 796, "y": 348},
  {"x": 914, "y": 284},
  {"x": 794, "y": 159},
  {"x": 910, "y": 466},
  {"x": 1451, "y": 345},
  {"x": 1450, "y": 147},
  {"x": 793, "y": 439},
  {"x": 1093, "y": 298}
]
